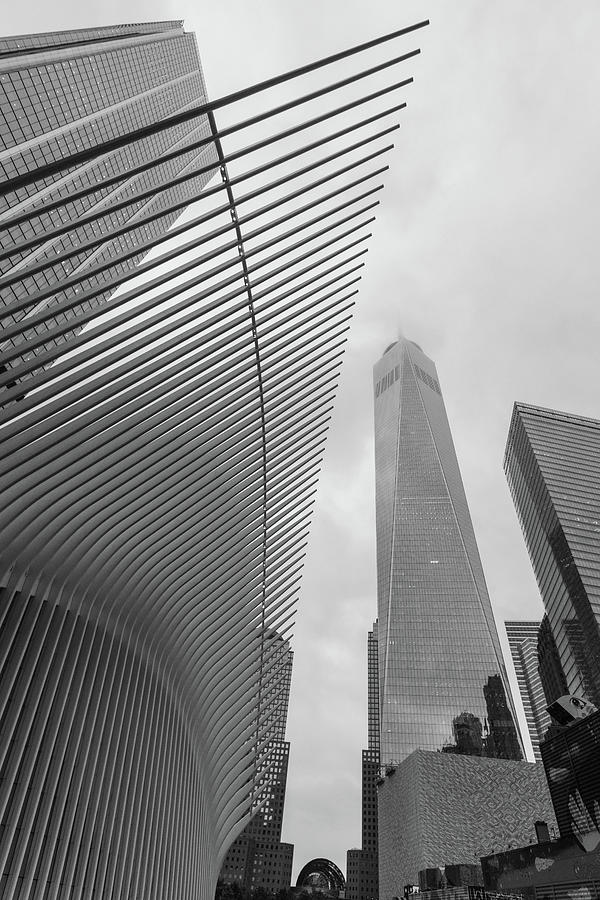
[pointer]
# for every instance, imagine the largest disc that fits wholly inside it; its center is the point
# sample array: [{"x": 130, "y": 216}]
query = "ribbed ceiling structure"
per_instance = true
[{"x": 158, "y": 473}]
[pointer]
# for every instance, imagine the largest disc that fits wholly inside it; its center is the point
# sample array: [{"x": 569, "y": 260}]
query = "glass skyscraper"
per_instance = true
[
  {"x": 523, "y": 643},
  {"x": 443, "y": 684},
  {"x": 552, "y": 464},
  {"x": 65, "y": 92}
]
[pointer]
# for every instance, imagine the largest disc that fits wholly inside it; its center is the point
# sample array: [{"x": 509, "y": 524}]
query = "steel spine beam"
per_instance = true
[{"x": 160, "y": 470}]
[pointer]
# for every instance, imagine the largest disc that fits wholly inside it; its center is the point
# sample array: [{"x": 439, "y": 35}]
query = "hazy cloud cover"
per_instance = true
[{"x": 484, "y": 252}]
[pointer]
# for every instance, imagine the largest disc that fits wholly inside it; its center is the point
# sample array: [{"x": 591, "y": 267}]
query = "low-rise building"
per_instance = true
[{"x": 440, "y": 808}]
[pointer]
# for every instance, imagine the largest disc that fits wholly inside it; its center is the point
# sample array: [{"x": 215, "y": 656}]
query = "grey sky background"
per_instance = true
[{"x": 484, "y": 252}]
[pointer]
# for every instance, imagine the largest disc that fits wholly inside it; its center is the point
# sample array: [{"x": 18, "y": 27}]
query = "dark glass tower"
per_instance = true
[
  {"x": 443, "y": 684},
  {"x": 571, "y": 759},
  {"x": 552, "y": 464},
  {"x": 523, "y": 643},
  {"x": 65, "y": 92},
  {"x": 362, "y": 866},
  {"x": 552, "y": 677}
]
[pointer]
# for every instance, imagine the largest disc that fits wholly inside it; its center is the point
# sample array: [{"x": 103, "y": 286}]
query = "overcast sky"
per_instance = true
[{"x": 484, "y": 252}]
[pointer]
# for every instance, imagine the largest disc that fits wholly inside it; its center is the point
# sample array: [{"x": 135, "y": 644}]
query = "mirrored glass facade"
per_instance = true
[
  {"x": 523, "y": 643},
  {"x": 553, "y": 468},
  {"x": 65, "y": 92},
  {"x": 443, "y": 684}
]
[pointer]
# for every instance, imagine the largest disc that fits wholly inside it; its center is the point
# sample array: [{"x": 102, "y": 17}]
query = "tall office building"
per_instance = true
[
  {"x": 443, "y": 684},
  {"x": 362, "y": 866},
  {"x": 454, "y": 781},
  {"x": 553, "y": 470},
  {"x": 67, "y": 91},
  {"x": 158, "y": 478},
  {"x": 258, "y": 858},
  {"x": 524, "y": 648}
]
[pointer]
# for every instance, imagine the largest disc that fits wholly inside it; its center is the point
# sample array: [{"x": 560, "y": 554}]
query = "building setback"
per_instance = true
[
  {"x": 443, "y": 683},
  {"x": 523, "y": 643},
  {"x": 553, "y": 470}
]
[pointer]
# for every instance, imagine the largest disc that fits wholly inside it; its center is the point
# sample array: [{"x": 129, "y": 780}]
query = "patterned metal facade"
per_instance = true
[
  {"x": 553, "y": 470},
  {"x": 158, "y": 479},
  {"x": 439, "y": 808},
  {"x": 443, "y": 684}
]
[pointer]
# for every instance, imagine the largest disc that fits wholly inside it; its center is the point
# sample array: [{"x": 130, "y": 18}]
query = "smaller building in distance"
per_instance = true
[
  {"x": 362, "y": 867},
  {"x": 258, "y": 858},
  {"x": 523, "y": 643},
  {"x": 439, "y": 809},
  {"x": 572, "y": 762}
]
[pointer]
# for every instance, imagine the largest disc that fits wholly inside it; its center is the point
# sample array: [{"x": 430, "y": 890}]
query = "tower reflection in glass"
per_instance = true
[{"x": 443, "y": 684}]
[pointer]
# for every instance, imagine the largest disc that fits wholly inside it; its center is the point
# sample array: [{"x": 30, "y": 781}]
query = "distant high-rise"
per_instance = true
[
  {"x": 258, "y": 858},
  {"x": 64, "y": 92},
  {"x": 523, "y": 643},
  {"x": 362, "y": 878},
  {"x": 443, "y": 684},
  {"x": 552, "y": 464}
]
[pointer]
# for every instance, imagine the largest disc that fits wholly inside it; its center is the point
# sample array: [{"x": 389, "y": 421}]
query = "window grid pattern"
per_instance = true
[
  {"x": 373, "y": 689},
  {"x": 120, "y": 89},
  {"x": 59, "y": 39},
  {"x": 523, "y": 643},
  {"x": 552, "y": 468},
  {"x": 258, "y": 858},
  {"x": 362, "y": 866},
  {"x": 442, "y": 680}
]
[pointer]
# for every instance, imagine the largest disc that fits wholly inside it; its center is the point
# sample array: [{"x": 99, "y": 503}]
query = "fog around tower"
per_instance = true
[{"x": 484, "y": 249}]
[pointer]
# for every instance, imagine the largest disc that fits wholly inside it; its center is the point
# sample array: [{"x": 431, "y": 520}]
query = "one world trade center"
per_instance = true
[{"x": 443, "y": 684}]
